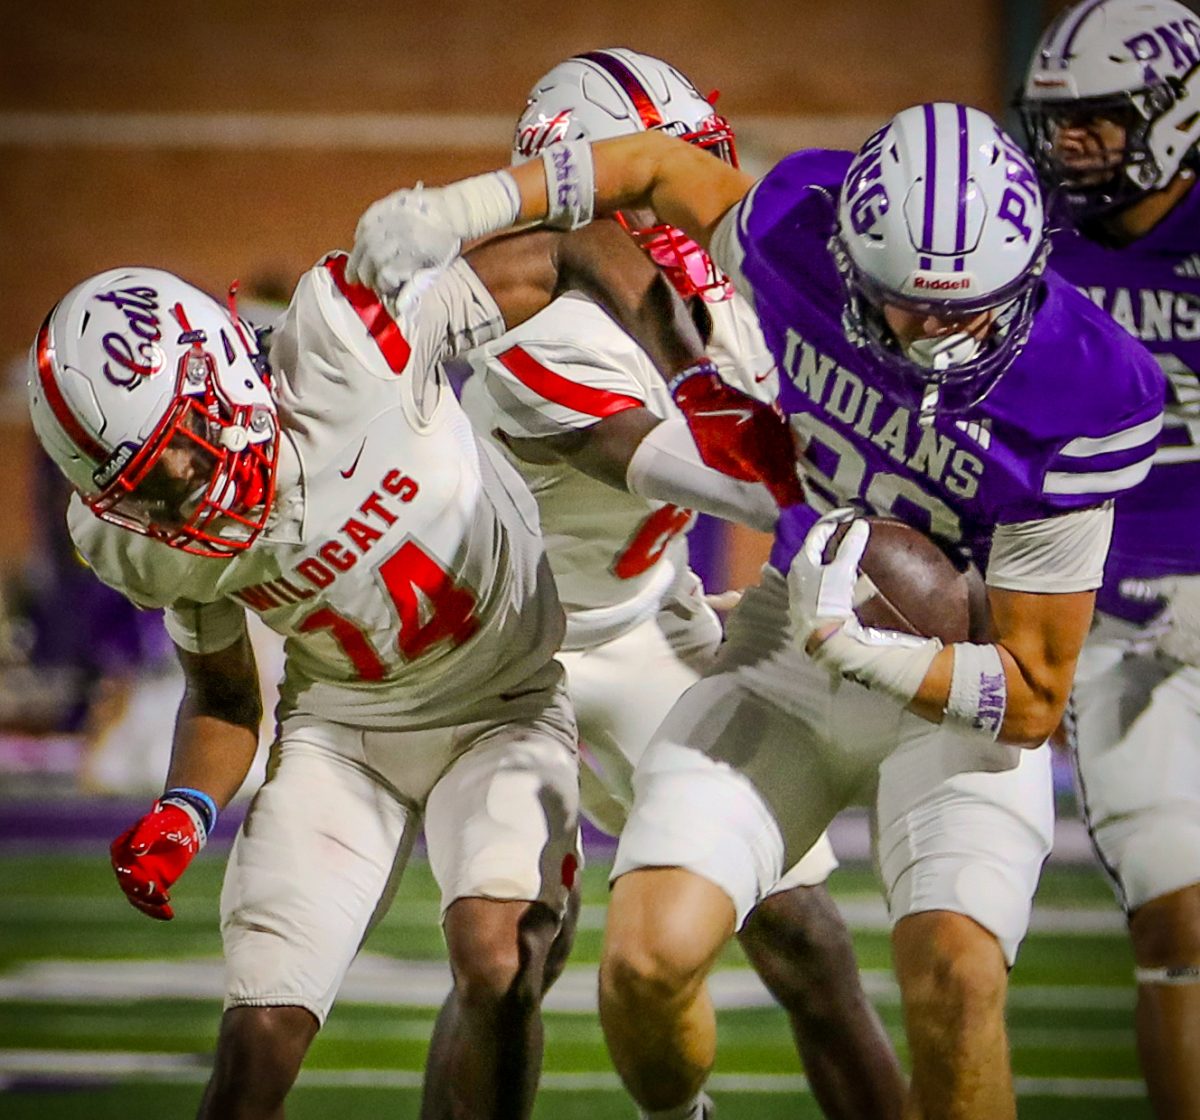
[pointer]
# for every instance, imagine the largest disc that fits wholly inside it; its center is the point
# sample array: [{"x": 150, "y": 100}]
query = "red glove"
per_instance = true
[
  {"x": 151, "y": 855},
  {"x": 737, "y": 434}
]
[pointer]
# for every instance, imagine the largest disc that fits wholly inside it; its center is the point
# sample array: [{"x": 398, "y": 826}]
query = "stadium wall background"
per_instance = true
[{"x": 224, "y": 139}]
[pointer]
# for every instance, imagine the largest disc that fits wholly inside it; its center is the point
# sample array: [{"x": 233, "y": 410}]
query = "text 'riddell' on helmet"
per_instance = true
[{"x": 152, "y": 398}]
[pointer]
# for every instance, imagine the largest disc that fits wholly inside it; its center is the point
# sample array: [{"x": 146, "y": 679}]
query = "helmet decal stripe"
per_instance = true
[
  {"x": 560, "y": 390},
  {"x": 380, "y": 325},
  {"x": 58, "y": 404},
  {"x": 627, "y": 80},
  {"x": 1065, "y": 50},
  {"x": 960, "y": 230},
  {"x": 930, "y": 182}
]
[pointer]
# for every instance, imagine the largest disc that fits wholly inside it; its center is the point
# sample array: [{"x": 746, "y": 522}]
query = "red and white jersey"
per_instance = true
[
  {"x": 615, "y": 556},
  {"x": 402, "y": 562}
]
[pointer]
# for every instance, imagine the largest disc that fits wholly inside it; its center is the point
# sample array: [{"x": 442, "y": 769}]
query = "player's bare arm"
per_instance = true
[
  {"x": 1038, "y": 638},
  {"x": 216, "y": 735},
  {"x": 684, "y": 185},
  {"x": 525, "y": 271}
]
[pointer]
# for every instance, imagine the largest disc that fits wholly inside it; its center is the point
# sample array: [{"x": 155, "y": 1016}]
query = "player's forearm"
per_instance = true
[
  {"x": 216, "y": 730},
  {"x": 684, "y": 185},
  {"x": 1031, "y": 708},
  {"x": 212, "y": 755}
]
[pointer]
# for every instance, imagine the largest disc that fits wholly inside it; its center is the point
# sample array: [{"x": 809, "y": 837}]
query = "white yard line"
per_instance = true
[
  {"x": 192, "y": 1069},
  {"x": 385, "y": 981}
]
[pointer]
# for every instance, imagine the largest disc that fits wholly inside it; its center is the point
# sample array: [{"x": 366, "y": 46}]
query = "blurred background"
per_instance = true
[{"x": 225, "y": 140}]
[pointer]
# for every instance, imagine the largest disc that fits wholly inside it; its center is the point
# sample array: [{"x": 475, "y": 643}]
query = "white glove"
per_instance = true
[
  {"x": 821, "y": 593},
  {"x": 415, "y": 229},
  {"x": 398, "y": 237}
]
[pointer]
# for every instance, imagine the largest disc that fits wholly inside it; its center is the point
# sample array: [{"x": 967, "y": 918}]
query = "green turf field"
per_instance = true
[{"x": 104, "y": 1014}]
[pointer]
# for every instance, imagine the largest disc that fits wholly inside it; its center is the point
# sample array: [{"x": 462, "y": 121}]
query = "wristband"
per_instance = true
[
  {"x": 197, "y": 804},
  {"x": 570, "y": 184},
  {"x": 705, "y": 367},
  {"x": 978, "y": 689}
]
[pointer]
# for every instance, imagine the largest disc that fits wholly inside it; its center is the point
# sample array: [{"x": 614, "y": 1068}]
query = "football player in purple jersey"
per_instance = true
[
  {"x": 1110, "y": 106},
  {"x": 932, "y": 370}
]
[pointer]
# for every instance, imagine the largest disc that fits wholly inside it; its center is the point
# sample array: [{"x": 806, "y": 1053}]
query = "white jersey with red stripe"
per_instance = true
[
  {"x": 616, "y": 556},
  {"x": 402, "y": 562}
]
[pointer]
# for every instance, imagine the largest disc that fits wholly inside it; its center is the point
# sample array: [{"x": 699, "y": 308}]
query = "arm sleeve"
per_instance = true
[
  {"x": 1053, "y": 555},
  {"x": 666, "y": 467},
  {"x": 205, "y": 627}
]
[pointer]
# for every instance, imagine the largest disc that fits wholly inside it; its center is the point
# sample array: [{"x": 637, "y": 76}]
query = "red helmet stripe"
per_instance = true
[
  {"x": 559, "y": 390},
  {"x": 627, "y": 80},
  {"x": 381, "y": 326},
  {"x": 67, "y": 419}
]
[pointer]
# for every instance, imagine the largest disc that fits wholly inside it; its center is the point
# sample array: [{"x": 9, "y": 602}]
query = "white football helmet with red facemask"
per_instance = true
[
  {"x": 614, "y": 92},
  {"x": 153, "y": 400}
]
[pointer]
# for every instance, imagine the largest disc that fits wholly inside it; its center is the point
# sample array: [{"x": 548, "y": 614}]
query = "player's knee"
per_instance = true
[
  {"x": 952, "y": 972},
  {"x": 641, "y": 975},
  {"x": 259, "y": 1052},
  {"x": 799, "y": 944},
  {"x": 503, "y": 969},
  {"x": 1166, "y": 930}
]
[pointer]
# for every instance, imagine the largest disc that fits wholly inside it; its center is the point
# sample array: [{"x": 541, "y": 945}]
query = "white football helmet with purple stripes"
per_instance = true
[
  {"x": 615, "y": 92},
  {"x": 1132, "y": 63},
  {"x": 941, "y": 214}
]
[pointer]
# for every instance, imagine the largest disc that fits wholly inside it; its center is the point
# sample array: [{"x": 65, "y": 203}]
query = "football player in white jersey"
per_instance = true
[
  {"x": 590, "y": 425},
  {"x": 336, "y": 490}
]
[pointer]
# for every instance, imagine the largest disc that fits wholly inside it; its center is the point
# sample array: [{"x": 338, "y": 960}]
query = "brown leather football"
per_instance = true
[{"x": 914, "y": 586}]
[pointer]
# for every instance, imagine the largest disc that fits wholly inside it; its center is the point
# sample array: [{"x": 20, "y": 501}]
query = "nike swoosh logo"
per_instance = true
[
  {"x": 759, "y": 380},
  {"x": 354, "y": 466}
]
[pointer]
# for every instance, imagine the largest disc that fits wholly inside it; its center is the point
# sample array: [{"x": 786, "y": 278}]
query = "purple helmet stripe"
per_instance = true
[
  {"x": 930, "y": 182},
  {"x": 960, "y": 231},
  {"x": 637, "y": 93},
  {"x": 1065, "y": 50}
]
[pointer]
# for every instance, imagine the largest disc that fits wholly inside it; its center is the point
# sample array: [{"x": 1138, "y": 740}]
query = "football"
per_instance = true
[{"x": 909, "y": 583}]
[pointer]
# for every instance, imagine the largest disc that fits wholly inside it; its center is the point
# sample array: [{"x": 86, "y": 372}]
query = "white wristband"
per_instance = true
[
  {"x": 570, "y": 184},
  {"x": 480, "y": 205},
  {"x": 978, "y": 689}
]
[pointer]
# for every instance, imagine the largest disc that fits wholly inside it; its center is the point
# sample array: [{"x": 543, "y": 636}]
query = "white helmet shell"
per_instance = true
[
  {"x": 119, "y": 365},
  {"x": 941, "y": 212},
  {"x": 1135, "y": 60},
  {"x": 614, "y": 92},
  {"x": 941, "y": 206}
]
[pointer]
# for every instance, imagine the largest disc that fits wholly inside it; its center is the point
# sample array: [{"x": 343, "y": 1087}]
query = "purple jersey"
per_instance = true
[
  {"x": 1070, "y": 424},
  {"x": 1152, "y": 288}
]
